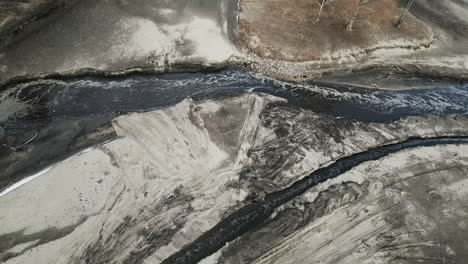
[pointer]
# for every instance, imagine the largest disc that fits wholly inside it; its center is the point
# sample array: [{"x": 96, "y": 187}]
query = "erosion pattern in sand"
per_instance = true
[
  {"x": 174, "y": 173},
  {"x": 409, "y": 207}
]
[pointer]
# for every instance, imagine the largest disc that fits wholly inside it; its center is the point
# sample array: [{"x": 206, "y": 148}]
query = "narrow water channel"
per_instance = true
[{"x": 255, "y": 213}]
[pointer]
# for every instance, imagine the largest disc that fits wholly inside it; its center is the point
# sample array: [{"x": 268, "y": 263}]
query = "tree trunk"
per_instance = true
[
  {"x": 349, "y": 27},
  {"x": 407, "y": 8},
  {"x": 320, "y": 11}
]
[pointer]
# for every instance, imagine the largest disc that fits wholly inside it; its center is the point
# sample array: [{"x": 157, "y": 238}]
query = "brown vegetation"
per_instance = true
[{"x": 289, "y": 30}]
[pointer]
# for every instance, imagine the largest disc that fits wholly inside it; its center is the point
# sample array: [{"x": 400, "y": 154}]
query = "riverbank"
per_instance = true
[
  {"x": 115, "y": 36},
  {"x": 444, "y": 54},
  {"x": 169, "y": 40}
]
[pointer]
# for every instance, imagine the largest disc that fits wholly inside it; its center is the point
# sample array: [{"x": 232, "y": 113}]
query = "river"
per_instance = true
[{"x": 66, "y": 109}]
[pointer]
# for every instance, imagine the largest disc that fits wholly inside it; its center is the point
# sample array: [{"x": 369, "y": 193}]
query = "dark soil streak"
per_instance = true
[{"x": 13, "y": 239}]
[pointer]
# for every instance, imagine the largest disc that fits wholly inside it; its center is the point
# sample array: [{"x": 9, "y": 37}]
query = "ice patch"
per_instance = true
[
  {"x": 28, "y": 179},
  {"x": 209, "y": 39},
  {"x": 24, "y": 181}
]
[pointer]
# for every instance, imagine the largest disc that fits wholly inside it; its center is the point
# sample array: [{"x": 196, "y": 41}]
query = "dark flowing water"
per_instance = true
[
  {"x": 63, "y": 111},
  {"x": 102, "y": 96}
]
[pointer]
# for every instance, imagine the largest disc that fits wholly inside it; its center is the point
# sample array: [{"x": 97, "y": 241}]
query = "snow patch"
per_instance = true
[
  {"x": 24, "y": 181},
  {"x": 200, "y": 38},
  {"x": 28, "y": 179}
]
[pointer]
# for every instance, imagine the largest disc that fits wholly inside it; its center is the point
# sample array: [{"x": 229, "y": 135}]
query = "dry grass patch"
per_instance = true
[{"x": 289, "y": 30}]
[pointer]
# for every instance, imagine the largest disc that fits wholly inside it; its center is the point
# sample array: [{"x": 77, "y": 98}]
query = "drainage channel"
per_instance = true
[{"x": 255, "y": 213}]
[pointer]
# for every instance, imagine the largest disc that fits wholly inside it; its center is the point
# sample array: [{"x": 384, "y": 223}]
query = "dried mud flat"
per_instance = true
[{"x": 175, "y": 173}]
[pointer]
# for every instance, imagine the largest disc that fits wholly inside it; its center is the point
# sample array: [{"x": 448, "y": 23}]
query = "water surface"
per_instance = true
[{"x": 62, "y": 112}]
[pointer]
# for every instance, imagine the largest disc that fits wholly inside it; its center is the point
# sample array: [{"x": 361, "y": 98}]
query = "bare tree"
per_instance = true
[
  {"x": 358, "y": 7},
  {"x": 407, "y": 8},
  {"x": 321, "y": 4}
]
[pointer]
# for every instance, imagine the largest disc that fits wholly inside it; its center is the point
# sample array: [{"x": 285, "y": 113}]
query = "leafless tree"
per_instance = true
[
  {"x": 321, "y": 4},
  {"x": 359, "y": 6},
  {"x": 407, "y": 8}
]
